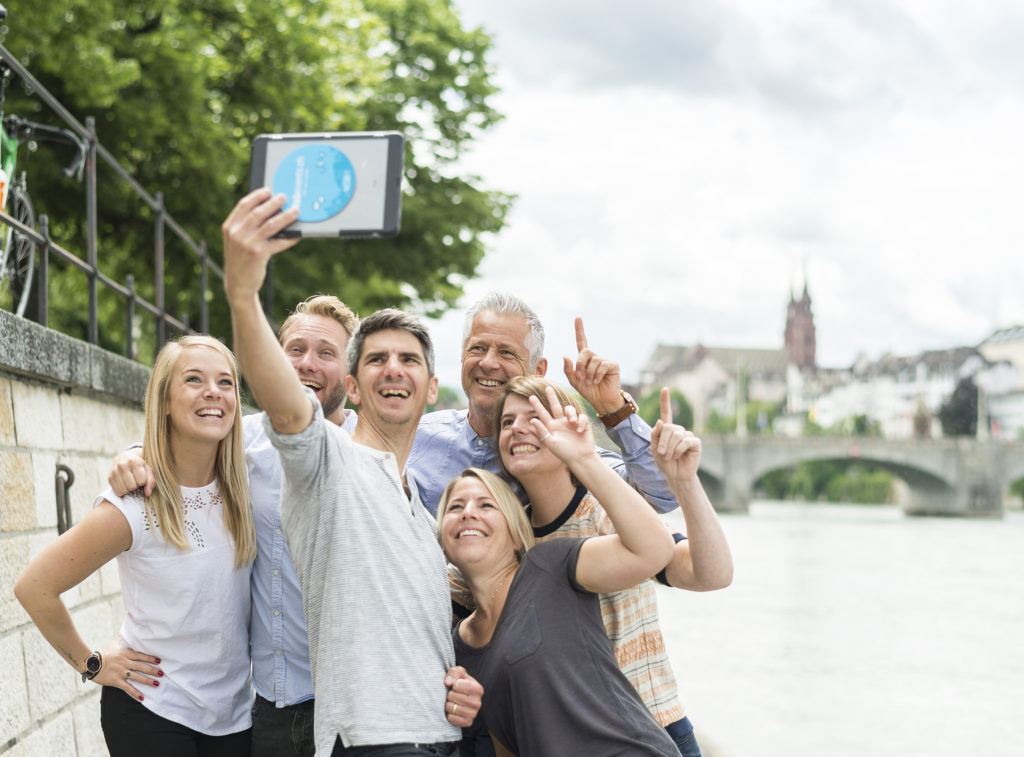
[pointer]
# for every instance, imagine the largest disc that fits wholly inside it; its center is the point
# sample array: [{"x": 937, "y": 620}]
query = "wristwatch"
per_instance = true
[
  {"x": 93, "y": 663},
  {"x": 614, "y": 419}
]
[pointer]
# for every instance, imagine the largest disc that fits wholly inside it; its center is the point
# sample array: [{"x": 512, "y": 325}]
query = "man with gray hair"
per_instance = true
[{"x": 503, "y": 338}]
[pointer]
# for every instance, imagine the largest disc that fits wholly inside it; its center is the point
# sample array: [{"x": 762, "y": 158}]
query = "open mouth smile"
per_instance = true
[{"x": 210, "y": 412}]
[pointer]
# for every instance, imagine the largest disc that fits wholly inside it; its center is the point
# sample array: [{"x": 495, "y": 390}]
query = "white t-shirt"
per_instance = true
[{"x": 191, "y": 610}]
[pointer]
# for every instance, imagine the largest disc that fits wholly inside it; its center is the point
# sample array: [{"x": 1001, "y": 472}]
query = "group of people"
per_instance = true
[{"x": 392, "y": 583}]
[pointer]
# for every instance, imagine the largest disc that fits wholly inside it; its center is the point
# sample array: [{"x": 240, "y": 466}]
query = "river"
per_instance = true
[{"x": 853, "y": 630}]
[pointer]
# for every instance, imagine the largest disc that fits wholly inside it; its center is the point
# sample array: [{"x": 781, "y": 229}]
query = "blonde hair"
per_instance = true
[
  {"x": 164, "y": 507},
  {"x": 326, "y": 305},
  {"x": 526, "y": 387},
  {"x": 508, "y": 504}
]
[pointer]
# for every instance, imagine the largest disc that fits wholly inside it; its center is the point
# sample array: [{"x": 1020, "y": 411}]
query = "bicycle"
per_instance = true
[{"x": 18, "y": 250}]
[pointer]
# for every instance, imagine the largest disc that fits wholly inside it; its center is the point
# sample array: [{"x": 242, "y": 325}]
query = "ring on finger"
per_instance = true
[
  {"x": 127, "y": 675},
  {"x": 455, "y": 706}
]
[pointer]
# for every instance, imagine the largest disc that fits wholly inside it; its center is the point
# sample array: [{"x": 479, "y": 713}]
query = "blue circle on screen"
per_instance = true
[{"x": 317, "y": 178}]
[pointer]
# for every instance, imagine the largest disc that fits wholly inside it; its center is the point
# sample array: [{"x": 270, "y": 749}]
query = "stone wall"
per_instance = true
[{"x": 61, "y": 401}]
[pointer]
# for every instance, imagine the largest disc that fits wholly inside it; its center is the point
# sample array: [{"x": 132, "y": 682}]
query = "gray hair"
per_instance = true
[
  {"x": 385, "y": 320},
  {"x": 508, "y": 304}
]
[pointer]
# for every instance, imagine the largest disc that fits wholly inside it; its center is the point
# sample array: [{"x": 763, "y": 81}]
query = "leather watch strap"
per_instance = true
[{"x": 628, "y": 408}]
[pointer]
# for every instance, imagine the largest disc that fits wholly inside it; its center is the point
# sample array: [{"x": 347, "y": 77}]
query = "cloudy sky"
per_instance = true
[{"x": 679, "y": 165}]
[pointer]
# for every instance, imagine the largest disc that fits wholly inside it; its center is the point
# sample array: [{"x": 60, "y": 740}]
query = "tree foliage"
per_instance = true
[
  {"x": 650, "y": 407},
  {"x": 178, "y": 90}
]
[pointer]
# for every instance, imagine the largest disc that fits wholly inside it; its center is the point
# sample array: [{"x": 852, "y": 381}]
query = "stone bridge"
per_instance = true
[{"x": 961, "y": 476}]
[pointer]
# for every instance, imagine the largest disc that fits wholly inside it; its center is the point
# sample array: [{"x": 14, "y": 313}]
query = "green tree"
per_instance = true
[
  {"x": 179, "y": 89},
  {"x": 959, "y": 414},
  {"x": 650, "y": 407}
]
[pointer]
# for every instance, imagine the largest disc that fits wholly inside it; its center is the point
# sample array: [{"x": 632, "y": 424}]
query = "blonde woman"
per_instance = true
[
  {"x": 176, "y": 679},
  {"x": 535, "y": 639}
]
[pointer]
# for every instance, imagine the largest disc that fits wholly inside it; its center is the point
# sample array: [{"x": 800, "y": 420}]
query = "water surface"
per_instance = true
[{"x": 853, "y": 630}]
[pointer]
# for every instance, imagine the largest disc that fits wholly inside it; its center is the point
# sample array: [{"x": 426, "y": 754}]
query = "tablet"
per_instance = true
[{"x": 345, "y": 184}]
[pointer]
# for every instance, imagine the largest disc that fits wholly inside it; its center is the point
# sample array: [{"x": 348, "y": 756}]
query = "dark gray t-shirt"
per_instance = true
[{"x": 552, "y": 684}]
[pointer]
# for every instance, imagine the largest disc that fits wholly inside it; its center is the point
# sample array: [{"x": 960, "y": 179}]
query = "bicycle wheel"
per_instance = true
[{"x": 19, "y": 254}]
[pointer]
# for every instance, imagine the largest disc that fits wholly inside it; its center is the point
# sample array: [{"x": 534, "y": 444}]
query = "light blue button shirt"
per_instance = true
[
  {"x": 278, "y": 640},
  {"x": 446, "y": 444}
]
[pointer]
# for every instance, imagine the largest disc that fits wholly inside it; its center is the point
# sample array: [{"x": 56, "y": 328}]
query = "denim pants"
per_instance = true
[
  {"x": 394, "y": 750},
  {"x": 681, "y": 732},
  {"x": 282, "y": 732}
]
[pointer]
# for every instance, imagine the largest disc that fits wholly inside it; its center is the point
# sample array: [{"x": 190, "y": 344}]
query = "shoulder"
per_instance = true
[{"x": 443, "y": 418}]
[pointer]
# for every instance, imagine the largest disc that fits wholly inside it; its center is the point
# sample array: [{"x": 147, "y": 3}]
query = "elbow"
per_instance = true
[
  {"x": 22, "y": 592},
  {"x": 718, "y": 578}
]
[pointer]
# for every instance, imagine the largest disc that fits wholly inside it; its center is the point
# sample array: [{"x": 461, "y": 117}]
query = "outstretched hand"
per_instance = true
[
  {"x": 676, "y": 451},
  {"x": 596, "y": 378},
  {"x": 564, "y": 431},
  {"x": 250, "y": 240}
]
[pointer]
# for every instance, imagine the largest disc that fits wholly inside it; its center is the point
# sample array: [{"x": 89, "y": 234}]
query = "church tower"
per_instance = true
[{"x": 800, "y": 336}]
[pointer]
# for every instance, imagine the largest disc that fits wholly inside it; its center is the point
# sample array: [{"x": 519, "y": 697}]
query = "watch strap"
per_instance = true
[{"x": 628, "y": 408}]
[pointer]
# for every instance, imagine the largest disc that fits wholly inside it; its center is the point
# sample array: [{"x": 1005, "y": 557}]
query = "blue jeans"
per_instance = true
[
  {"x": 394, "y": 750},
  {"x": 681, "y": 732},
  {"x": 284, "y": 732}
]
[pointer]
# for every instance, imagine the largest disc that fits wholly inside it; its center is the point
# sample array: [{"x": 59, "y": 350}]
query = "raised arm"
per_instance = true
[
  {"x": 641, "y": 545},
  {"x": 249, "y": 243},
  {"x": 598, "y": 381},
  {"x": 703, "y": 561},
  {"x": 63, "y": 564}
]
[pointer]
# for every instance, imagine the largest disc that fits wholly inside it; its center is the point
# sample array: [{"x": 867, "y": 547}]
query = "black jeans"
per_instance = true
[
  {"x": 394, "y": 750},
  {"x": 282, "y": 732},
  {"x": 130, "y": 730}
]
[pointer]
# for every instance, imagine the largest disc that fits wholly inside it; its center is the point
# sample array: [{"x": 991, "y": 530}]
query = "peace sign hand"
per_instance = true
[
  {"x": 564, "y": 431},
  {"x": 676, "y": 451}
]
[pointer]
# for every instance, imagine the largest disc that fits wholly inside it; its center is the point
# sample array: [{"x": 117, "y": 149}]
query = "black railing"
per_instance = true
[{"x": 46, "y": 247}]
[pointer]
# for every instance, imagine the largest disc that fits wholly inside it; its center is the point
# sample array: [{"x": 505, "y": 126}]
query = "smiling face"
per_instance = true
[
  {"x": 315, "y": 345},
  {"x": 521, "y": 452},
  {"x": 201, "y": 399},
  {"x": 392, "y": 383},
  {"x": 494, "y": 352},
  {"x": 473, "y": 527}
]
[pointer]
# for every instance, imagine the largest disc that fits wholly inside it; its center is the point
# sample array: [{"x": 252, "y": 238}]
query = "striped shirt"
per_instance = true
[{"x": 630, "y": 616}]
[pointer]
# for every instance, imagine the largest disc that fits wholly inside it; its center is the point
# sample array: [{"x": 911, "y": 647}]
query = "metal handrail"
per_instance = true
[{"x": 90, "y": 266}]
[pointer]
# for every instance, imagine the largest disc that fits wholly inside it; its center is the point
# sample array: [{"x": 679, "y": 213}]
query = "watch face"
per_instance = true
[{"x": 93, "y": 664}]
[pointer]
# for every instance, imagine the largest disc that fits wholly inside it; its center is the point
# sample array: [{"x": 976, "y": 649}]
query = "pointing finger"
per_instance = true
[
  {"x": 581, "y": 335},
  {"x": 666, "y": 405}
]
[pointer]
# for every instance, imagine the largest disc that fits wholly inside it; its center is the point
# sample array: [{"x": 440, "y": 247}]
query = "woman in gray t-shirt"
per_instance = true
[{"x": 536, "y": 640}]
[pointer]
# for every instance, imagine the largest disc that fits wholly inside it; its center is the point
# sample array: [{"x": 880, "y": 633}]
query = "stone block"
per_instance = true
[
  {"x": 90, "y": 473},
  {"x": 37, "y": 416},
  {"x": 52, "y": 682},
  {"x": 14, "y": 714},
  {"x": 89, "y": 425},
  {"x": 88, "y": 733},
  {"x": 6, "y": 413},
  {"x": 18, "y": 510},
  {"x": 14, "y": 556},
  {"x": 56, "y": 737},
  {"x": 44, "y": 467},
  {"x": 116, "y": 375}
]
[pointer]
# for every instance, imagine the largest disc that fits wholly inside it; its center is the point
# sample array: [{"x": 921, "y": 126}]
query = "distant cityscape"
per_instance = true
[{"x": 899, "y": 397}]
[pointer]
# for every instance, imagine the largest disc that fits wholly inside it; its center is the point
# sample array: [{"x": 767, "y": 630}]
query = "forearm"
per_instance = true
[
  {"x": 638, "y": 527},
  {"x": 636, "y": 464},
  {"x": 53, "y": 620},
  {"x": 273, "y": 381},
  {"x": 704, "y": 561}
]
